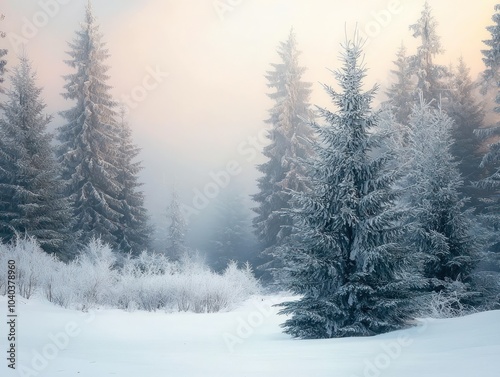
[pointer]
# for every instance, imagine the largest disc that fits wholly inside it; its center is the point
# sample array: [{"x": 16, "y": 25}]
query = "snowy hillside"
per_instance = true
[{"x": 246, "y": 342}]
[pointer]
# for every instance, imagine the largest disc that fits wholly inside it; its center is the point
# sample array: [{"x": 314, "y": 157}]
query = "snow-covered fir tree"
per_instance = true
[
  {"x": 3, "y": 62},
  {"x": 5, "y": 161},
  {"x": 288, "y": 142},
  {"x": 468, "y": 115},
  {"x": 401, "y": 92},
  {"x": 440, "y": 226},
  {"x": 89, "y": 152},
  {"x": 491, "y": 161},
  {"x": 393, "y": 137},
  {"x": 429, "y": 76},
  {"x": 491, "y": 56},
  {"x": 177, "y": 228},
  {"x": 31, "y": 191},
  {"x": 344, "y": 259},
  {"x": 133, "y": 235}
]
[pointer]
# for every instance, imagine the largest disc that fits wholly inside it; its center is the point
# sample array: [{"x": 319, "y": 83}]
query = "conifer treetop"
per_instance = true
[
  {"x": 426, "y": 29},
  {"x": 491, "y": 56}
]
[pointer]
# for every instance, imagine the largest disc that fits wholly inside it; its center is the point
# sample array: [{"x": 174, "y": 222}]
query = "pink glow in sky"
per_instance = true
[{"x": 196, "y": 68}]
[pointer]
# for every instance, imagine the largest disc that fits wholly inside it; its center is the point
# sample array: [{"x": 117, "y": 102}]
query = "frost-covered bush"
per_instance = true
[
  {"x": 241, "y": 281},
  {"x": 445, "y": 304},
  {"x": 448, "y": 306},
  {"x": 61, "y": 287},
  {"x": 150, "y": 283},
  {"x": 99, "y": 277},
  {"x": 140, "y": 284},
  {"x": 31, "y": 265},
  {"x": 95, "y": 274}
]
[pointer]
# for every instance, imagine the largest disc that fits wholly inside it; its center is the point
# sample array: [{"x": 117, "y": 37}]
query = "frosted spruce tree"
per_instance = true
[
  {"x": 491, "y": 160},
  {"x": 5, "y": 161},
  {"x": 35, "y": 204},
  {"x": 288, "y": 142},
  {"x": 394, "y": 138},
  {"x": 344, "y": 259},
  {"x": 490, "y": 216},
  {"x": 177, "y": 228},
  {"x": 441, "y": 227},
  {"x": 468, "y": 115},
  {"x": 401, "y": 93},
  {"x": 491, "y": 56},
  {"x": 429, "y": 76},
  {"x": 3, "y": 62},
  {"x": 90, "y": 139},
  {"x": 133, "y": 235}
]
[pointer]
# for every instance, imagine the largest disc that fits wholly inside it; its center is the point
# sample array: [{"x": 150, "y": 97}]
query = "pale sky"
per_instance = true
[{"x": 209, "y": 59}]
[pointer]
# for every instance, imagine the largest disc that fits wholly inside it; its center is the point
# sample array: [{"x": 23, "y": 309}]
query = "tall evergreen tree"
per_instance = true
[
  {"x": 429, "y": 75},
  {"x": 345, "y": 260},
  {"x": 467, "y": 115},
  {"x": 90, "y": 140},
  {"x": 441, "y": 227},
  {"x": 3, "y": 62},
  {"x": 394, "y": 137},
  {"x": 176, "y": 238},
  {"x": 288, "y": 142},
  {"x": 491, "y": 56},
  {"x": 401, "y": 93},
  {"x": 5, "y": 160},
  {"x": 491, "y": 160},
  {"x": 34, "y": 205},
  {"x": 134, "y": 232}
]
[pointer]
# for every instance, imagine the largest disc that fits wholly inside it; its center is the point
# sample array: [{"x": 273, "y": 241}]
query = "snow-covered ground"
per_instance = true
[{"x": 245, "y": 342}]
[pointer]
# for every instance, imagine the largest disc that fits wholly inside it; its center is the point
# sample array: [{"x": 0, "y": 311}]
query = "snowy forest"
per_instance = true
[{"x": 379, "y": 209}]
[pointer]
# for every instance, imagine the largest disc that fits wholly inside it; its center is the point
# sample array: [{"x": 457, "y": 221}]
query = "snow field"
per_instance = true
[{"x": 244, "y": 342}]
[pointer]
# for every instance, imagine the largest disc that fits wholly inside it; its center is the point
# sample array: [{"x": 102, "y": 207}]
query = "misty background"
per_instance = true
[{"x": 191, "y": 74}]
